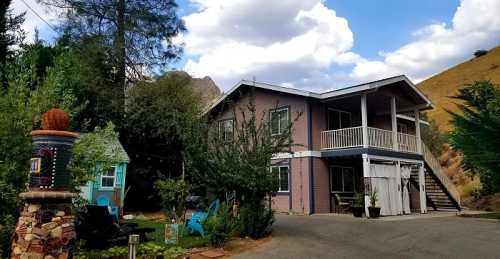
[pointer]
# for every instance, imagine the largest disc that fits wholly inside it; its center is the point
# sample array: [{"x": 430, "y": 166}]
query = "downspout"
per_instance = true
[{"x": 310, "y": 147}]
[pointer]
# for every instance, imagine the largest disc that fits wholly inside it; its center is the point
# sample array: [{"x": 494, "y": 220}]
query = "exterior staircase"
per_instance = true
[{"x": 441, "y": 192}]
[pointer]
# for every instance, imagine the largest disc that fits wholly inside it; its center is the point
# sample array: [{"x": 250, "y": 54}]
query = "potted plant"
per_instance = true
[
  {"x": 373, "y": 209},
  {"x": 358, "y": 205}
]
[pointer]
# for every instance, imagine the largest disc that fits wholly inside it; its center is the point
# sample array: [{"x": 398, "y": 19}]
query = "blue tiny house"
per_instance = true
[{"x": 108, "y": 187}]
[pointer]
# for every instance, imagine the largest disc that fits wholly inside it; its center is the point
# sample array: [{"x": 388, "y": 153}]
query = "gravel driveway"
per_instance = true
[{"x": 327, "y": 236}]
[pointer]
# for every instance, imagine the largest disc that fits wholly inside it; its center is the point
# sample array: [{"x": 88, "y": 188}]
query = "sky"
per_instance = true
[{"x": 319, "y": 45}]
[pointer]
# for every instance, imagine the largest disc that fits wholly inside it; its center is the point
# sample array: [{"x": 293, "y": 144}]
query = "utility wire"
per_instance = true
[{"x": 39, "y": 16}]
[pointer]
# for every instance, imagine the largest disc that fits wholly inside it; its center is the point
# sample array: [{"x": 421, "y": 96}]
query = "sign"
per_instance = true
[
  {"x": 171, "y": 233},
  {"x": 35, "y": 165}
]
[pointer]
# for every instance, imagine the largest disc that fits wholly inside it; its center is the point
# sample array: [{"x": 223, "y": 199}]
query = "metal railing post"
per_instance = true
[{"x": 133, "y": 241}]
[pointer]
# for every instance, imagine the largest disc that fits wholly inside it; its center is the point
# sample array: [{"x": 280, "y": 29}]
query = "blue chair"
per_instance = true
[
  {"x": 104, "y": 201},
  {"x": 195, "y": 223}
]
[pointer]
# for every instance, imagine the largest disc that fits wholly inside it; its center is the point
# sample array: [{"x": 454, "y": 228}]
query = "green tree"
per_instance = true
[
  {"x": 137, "y": 35},
  {"x": 476, "y": 132},
  {"x": 10, "y": 34},
  {"x": 159, "y": 117},
  {"x": 243, "y": 164},
  {"x": 432, "y": 137}
]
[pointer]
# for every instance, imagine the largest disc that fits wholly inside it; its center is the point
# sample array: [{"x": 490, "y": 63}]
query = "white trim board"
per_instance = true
[{"x": 298, "y": 154}]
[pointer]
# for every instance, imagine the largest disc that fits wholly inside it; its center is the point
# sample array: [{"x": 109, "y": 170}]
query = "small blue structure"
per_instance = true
[{"x": 108, "y": 188}]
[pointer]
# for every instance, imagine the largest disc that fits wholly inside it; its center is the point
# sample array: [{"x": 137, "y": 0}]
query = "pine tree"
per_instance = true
[{"x": 10, "y": 34}]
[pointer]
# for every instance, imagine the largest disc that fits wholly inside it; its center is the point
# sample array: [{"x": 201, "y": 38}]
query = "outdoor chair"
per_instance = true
[
  {"x": 343, "y": 205},
  {"x": 98, "y": 228},
  {"x": 195, "y": 223}
]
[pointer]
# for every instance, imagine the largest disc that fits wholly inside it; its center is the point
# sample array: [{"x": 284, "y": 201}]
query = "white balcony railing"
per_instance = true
[
  {"x": 342, "y": 138},
  {"x": 407, "y": 143},
  {"x": 378, "y": 138}
]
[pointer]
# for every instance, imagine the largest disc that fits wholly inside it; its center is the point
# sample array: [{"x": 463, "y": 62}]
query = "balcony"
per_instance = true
[{"x": 376, "y": 138}]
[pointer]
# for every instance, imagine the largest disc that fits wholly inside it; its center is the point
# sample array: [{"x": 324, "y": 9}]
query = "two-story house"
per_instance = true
[{"x": 355, "y": 139}]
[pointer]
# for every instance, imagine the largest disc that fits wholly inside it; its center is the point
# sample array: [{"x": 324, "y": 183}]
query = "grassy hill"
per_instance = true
[{"x": 445, "y": 84}]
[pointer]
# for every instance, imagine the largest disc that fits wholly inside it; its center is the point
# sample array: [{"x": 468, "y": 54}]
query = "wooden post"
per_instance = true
[
  {"x": 364, "y": 120},
  {"x": 395, "y": 144},
  {"x": 366, "y": 180},
  {"x": 421, "y": 182},
  {"x": 417, "y": 131}
]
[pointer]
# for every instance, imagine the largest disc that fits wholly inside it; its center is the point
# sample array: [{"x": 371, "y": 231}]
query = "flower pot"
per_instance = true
[
  {"x": 357, "y": 212},
  {"x": 374, "y": 212}
]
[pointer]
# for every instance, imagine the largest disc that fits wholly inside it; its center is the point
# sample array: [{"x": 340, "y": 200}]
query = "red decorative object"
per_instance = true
[{"x": 55, "y": 119}]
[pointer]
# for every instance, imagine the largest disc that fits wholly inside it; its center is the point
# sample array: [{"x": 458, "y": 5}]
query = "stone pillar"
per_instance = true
[{"x": 46, "y": 228}]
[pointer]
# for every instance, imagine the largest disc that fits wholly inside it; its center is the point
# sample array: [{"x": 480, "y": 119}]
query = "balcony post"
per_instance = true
[
  {"x": 417, "y": 131},
  {"x": 364, "y": 120},
  {"x": 395, "y": 144}
]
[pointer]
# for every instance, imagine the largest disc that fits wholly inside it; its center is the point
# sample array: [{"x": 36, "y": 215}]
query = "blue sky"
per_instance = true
[{"x": 319, "y": 45}]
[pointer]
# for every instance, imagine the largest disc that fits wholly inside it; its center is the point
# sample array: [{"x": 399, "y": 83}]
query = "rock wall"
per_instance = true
[{"x": 44, "y": 231}]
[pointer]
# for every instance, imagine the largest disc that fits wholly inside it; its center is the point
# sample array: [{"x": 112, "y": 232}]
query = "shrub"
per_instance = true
[
  {"x": 6, "y": 232},
  {"x": 144, "y": 251},
  {"x": 359, "y": 200},
  {"x": 173, "y": 195},
  {"x": 255, "y": 220},
  {"x": 221, "y": 227}
]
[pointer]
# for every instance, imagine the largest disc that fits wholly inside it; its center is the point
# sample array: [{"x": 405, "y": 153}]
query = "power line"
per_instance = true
[{"x": 39, "y": 16}]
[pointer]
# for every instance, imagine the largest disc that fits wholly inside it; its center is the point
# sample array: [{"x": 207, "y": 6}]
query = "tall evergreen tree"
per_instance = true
[
  {"x": 136, "y": 34},
  {"x": 476, "y": 132},
  {"x": 10, "y": 34}
]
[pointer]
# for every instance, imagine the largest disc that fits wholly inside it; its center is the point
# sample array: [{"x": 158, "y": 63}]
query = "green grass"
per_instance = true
[
  {"x": 493, "y": 215},
  {"x": 186, "y": 241}
]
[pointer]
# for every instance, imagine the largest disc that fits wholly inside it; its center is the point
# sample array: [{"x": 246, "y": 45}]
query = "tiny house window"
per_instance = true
[
  {"x": 342, "y": 179},
  {"x": 108, "y": 178},
  {"x": 279, "y": 121},
  {"x": 226, "y": 130},
  {"x": 283, "y": 175}
]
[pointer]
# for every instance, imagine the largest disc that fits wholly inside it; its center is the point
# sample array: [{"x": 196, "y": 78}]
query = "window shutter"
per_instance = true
[{"x": 119, "y": 175}]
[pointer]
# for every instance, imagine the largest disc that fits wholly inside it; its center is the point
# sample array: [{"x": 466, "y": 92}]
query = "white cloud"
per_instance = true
[
  {"x": 475, "y": 25},
  {"x": 283, "y": 41},
  {"x": 32, "y": 20},
  {"x": 297, "y": 43}
]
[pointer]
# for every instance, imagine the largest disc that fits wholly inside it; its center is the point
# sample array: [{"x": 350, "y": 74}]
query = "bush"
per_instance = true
[
  {"x": 145, "y": 251},
  {"x": 173, "y": 195},
  {"x": 6, "y": 232},
  {"x": 221, "y": 227},
  {"x": 255, "y": 220}
]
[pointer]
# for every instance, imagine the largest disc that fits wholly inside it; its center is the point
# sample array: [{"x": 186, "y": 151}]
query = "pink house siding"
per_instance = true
[
  {"x": 281, "y": 203},
  {"x": 321, "y": 186},
  {"x": 300, "y": 185}
]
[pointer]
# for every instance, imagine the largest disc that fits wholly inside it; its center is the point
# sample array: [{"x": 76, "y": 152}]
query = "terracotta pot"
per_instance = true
[{"x": 55, "y": 119}]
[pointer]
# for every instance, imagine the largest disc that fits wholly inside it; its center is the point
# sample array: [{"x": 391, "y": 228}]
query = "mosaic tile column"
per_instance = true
[{"x": 45, "y": 228}]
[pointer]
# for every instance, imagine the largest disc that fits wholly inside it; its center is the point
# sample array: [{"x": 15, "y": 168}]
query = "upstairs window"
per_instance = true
[
  {"x": 280, "y": 120},
  {"x": 226, "y": 130},
  {"x": 108, "y": 178},
  {"x": 282, "y": 173}
]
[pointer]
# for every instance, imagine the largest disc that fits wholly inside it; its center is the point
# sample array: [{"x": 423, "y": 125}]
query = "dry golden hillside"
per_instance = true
[{"x": 439, "y": 87}]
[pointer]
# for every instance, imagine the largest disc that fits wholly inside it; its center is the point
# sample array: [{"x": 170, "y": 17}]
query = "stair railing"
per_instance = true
[{"x": 434, "y": 164}]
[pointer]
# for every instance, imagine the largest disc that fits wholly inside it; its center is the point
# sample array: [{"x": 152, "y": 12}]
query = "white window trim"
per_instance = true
[
  {"x": 114, "y": 180},
  {"x": 221, "y": 129},
  {"x": 279, "y": 177},
  {"x": 340, "y": 120},
  {"x": 343, "y": 186},
  {"x": 280, "y": 130}
]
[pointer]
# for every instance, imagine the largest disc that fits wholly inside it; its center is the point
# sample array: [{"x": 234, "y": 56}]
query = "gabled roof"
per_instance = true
[
  {"x": 115, "y": 150},
  {"x": 356, "y": 89}
]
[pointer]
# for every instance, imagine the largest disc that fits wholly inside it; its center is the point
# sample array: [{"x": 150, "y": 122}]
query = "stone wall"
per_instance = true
[{"x": 44, "y": 231}]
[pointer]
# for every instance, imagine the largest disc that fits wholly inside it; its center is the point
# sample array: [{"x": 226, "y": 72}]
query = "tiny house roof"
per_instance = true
[{"x": 114, "y": 146}]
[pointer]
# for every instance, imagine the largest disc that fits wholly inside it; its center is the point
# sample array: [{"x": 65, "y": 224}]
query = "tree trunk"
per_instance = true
[{"x": 120, "y": 56}]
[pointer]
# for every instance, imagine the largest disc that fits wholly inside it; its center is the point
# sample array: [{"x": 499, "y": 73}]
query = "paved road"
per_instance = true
[{"x": 326, "y": 236}]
